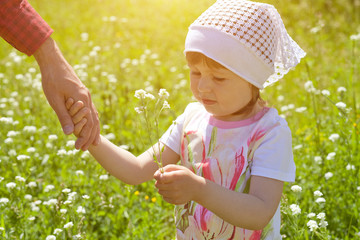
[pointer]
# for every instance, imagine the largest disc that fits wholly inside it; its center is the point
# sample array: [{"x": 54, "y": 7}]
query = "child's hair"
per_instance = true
[{"x": 195, "y": 58}]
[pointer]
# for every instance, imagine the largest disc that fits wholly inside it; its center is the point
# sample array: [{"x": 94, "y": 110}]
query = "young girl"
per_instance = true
[{"x": 235, "y": 152}]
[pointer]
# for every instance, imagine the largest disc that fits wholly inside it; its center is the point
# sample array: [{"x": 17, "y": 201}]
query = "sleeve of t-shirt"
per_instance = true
[
  {"x": 274, "y": 157},
  {"x": 22, "y": 26},
  {"x": 172, "y": 137}
]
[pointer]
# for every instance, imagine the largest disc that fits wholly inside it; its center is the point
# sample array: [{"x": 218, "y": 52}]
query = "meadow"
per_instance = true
[{"x": 49, "y": 190}]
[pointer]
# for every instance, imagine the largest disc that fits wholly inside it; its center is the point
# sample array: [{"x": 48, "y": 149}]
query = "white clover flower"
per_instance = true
[
  {"x": 79, "y": 172},
  {"x": 333, "y": 137},
  {"x": 66, "y": 190},
  {"x": 69, "y": 225},
  {"x": 7, "y": 120},
  {"x": 312, "y": 224},
  {"x": 31, "y": 150},
  {"x": 12, "y": 152},
  {"x": 61, "y": 152},
  {"x": 300, "y": 109},
  {"x": 12, "y": 134},
  {"x": 28, "y": 197},
  {"x": 320, "y": 200},
  {"x": 331, "y": 156},
  {"x": 35, "y": 208},
  {"x": 53, "y": 137},
  {"x": 163, "y": 94},
  {"x": 355, "y": 37},
  {"x": 51, "y": 237},
  {"x": 140, "y": 109},
  {"x": 32, "y": 184},
  {"x": 311, "y": 215},
  {"x": 48, "y": 188},
  {"x": 340, "y": 105},
  {"x": 85, "y": 196},
  {"x": 63, "y": 210},
  {"x": 296, "y": 188},
  {"x": 341, "y": 89},
  {"x": 85, "y": 154},
  {"x": 358, "y": 188},
  {"x": 126, "y": 147},
  {"x": 20, "y": 179},
  {"x": 29, "y": 129},
  {"x": 104, "y": 177},
  {"x": 318, "y": 159},
  {"x": 52, "y": 201},
  {"x": 3, "y": 201},
  {"x": 22, "y": 157},
  {"x": 72, "y": 152},
  {"x": 149, "y": 95},
  {"x": 8, "y": 140},
  {"x": 72, "y": 195},
  {"x": 295, "y": 209},
  {"x": 11, "y": 185},
  {"x": 80, "y": 210},
  {"x": 309, "y": 86},
  {"x": 321, "y": 216},
  {"x": 84, "y": 36},
  {"x": 110, "y": 136},
  {"x": 328, "y": 175},
  {"x": 68, "y": 202},
  {"x": 57, "y": 231},
  {"x": 323, "y": 224},
  {"x": 350, "y": 167},
  {"x": 317, "y": 193},
  {"x": 31, "y": 218},
  {"x": 140, "y": 94},
  {"x": 325, "y": 93},
  {"x": 70, "y": 143},
  {"x": 77, "y": 236},
  {"x": 166, "y": 105}
]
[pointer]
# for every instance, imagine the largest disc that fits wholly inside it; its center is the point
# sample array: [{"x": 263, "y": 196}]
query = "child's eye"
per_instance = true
[
  {"x": 219, "y": 79},
  {"x": 195, "y": 73}
]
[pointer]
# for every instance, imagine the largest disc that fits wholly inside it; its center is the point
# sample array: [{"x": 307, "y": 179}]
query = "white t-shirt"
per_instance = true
[{"x": 228, "y": 153}]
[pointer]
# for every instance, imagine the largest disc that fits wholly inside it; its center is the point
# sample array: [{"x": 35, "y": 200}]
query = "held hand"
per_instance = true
[
  {"x": 178, "y": 184},
  {"x": 60, "y": 82},
  {"x": 78, "y": 114}
]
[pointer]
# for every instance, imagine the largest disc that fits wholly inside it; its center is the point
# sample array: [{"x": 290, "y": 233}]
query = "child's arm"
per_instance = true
[
  {"x": 117, "y": 161},
  {"x": 253, "y": 211}
]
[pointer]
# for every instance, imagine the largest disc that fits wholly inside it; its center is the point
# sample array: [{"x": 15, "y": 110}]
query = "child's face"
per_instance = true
[{"x": 221, "y": 91}]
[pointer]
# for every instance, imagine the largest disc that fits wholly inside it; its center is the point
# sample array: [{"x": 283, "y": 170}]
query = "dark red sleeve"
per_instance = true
[{"x": 22, "y": 26}]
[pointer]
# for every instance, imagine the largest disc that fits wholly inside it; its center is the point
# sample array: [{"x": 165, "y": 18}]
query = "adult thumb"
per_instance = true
[{"x": 64, "y": 118}]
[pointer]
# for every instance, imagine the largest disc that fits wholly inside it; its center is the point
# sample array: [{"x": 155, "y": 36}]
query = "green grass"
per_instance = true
[{"x": 141, "y": 47}]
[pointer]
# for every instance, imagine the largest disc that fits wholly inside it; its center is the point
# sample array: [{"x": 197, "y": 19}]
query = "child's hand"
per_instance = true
[
  {"x": 178, "y": 184},
  {"x": 77, "y": 112}
]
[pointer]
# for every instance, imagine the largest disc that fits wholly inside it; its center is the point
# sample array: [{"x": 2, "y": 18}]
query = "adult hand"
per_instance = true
[
  {"x": 59, "y": 82},
  {"x": 178, "y": 184}
]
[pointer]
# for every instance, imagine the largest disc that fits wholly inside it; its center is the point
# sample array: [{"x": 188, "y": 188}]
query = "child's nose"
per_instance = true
[{"x": 204, "y": 84}]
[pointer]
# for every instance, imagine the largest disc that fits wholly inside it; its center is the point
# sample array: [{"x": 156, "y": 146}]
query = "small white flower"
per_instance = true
[
  {"x": 317, "y": 193},
  {"x": 3, "y": 201},
  {"x": 11, "y": 185},
  {"x": 301, "y": 109},
  {"x": 318, "y": 159},
  {"x": 12, "y": 134},
  {"x": 323, "y": 224},
  {"x": 341, "y": 89},
  {"x": 48, "y": 188},
  {"x": 31, "y": 150},
  {"x": 8, "y": 140},
  {"x": 20, "y": 179},
  {"x": 57, "y": 231},
  {"x": 68, "y": 202},
  {"x": 22, "y": 157},
  {"x": 85, "y": 196},
  {"x": 32, "y": 184},
  {"x": 149, "y": 95},
  {"x": 295, "y": 209},
  {"x": 70, "y": 143},
  {"x": 325, "y": 93},
  {"x": 350, "y": 167},
  {"x": 29, "y": 129},
  {"x": 311, "y": 215},
  {"x": 140, "y": 94},
  {"x": 53, "y": 137},
  {"x": 309, "y": 86},
  {"x": 80, "y": 210},
  {"x": 163, "y": 94},
  {"x": 12, "y": 152},
  {"x": 312, "y": 224},
  {"x": 77, "y": 236},
  {"x": 320, "y": 200},
  {"x": 126, "y": 147},
  {"x": 297, "y": 147},
  {"x": 61, "y": 152},
  {"x": 84, "y": 36},
  {"x": 66, "y": 190},
  {"x": 110, "y": 136},
  {"x": 321, "y": 216},
  {"x": 63, "y": 210},
  {"x": 35, "y": 208},
  {"x": 296, "y": 188},
  {"x": 166, "y": 105},
  {"x": 69, "y": 225},
  {"x": 79, "y": 172},
  {"x": 340, "y": 105},
  {"x": 358, "y": 188},
  {"x": 330, "y": 156},
  {"x": 52, "y": 201},
  {"x": 328, "y": 175},
  {"x": 140, "y": 109},
  {"x": 333, "y": 137},
  {"x": 104, "y": 177},
  {"x": 31, "y": 218},
  {"x": 51, "y": 237}
]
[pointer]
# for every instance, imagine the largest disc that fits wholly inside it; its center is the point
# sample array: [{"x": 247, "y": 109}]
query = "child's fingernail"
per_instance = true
[{"x": 68, "y": 129}]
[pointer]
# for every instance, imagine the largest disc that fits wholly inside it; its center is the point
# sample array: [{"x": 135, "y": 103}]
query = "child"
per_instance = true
[{"x": 235, "y": 152}]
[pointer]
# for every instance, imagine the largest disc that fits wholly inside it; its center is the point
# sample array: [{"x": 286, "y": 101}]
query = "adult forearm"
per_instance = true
[
  {"x": 120, "y": 163},
  {"x": 239, "y": 209}
]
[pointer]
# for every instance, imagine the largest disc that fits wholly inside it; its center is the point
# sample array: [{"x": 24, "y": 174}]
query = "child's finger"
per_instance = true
[
  {"x": 80, "y": 115},
  {"x": 69, "y": 103},
  {"x": 76, "y": 107},
  {"x": 78, "y": 127}
]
